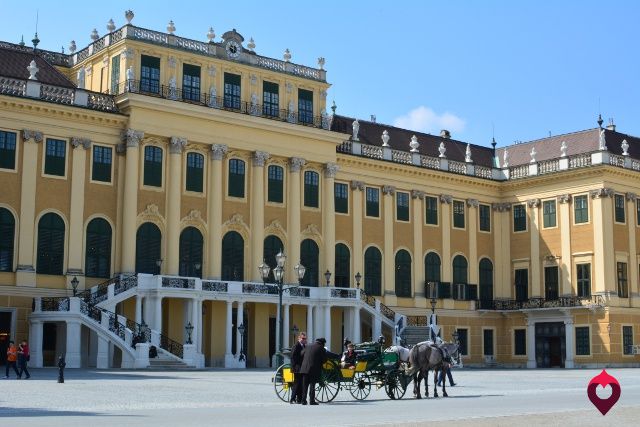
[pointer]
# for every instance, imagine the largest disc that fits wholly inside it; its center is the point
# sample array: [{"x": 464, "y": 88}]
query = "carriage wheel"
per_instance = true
[
  {"x": 361, "y": 386},
  {"x": 393, "y": 385},
  {"x": 326, "y": 391},
  {"x": 283, "y": 389}
]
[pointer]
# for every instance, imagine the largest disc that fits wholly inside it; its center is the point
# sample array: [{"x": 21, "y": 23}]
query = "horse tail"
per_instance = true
[{"x": 413, "y": 362}]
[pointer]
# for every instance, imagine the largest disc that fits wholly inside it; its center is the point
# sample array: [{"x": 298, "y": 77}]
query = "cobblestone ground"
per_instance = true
[{"x": 247, "y": 398}]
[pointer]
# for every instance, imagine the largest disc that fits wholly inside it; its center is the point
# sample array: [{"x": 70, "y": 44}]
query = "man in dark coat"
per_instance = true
[
  {"x": 296, "y": 363},
  {"x": 314, "y": 356}
]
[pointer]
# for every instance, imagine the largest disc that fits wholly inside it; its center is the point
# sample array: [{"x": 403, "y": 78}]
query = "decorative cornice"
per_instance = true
[
  {"x": 417, "y": 194},
  {"x": 311, "y": 230},
  {"x": 236, "y": 219},
  {"x": 177, "y": 144},
  {"x": 601, "y": 192},
  {"x": 564, "y": 198},
  {"x": 473, "y": 203},
  {"x": 296, "y": 163},
  {"x": 27, "y": 134},
  {"x": 501, "y": 207},
  {"x": 121, "y": 148},
  {"x": 446, "y": 198},
  {"x": 330, "y": 170},
  {"x": 259, "y": 158},
  {"x": 388, "y": 190},
  {"x": 132, "y": 137},
  {"x": 194, "y": 217},
  {"x": 218, "y": 151},
  {"x": 77, "y": 142},
  {"x": 631, "y": 196},
  {"x": 357, "y": 185},
  {"x": 533, "y": 203}
]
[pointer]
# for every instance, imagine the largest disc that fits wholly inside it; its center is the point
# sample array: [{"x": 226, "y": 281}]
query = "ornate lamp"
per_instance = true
[
  {"x": 358, "y": 278},
  {"x": 278, "y": 273},
  {"x": 281, "y": 258},
  {"x": 300, "y": 270},
  {"x": 189, "y": 329},
  {"x": 74, "y": 285},
  {"x": 264, "y": 270},
  {"x": 242, "y": 329},
  {"x": 327, "y": 276}
]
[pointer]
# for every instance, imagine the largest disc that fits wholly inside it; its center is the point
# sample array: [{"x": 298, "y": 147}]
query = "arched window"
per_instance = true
[
  {"x": 309, "y": 258},
  {"x": 459, "y": 269},
  {"x": 191, "y": 252},
  {"x": 373, "y": 271},
  {"x": 272, "y": 245},
  {"x": 50, "y": 244},
  {"x": 403, "y": 274},
  {"x": 486, "y": 279},
  {"x": 343, "y": 266},
  {"x": 432, "y": 267},
  {"x": 148, "y": 240},
  {"x": 7, "y": 236},
  {"x": 233, "y": 256},
  {"x": 97, "y": 261}
]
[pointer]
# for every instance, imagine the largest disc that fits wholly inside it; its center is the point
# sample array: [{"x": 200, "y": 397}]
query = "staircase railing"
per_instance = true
[{"x": 171, "y": 346}]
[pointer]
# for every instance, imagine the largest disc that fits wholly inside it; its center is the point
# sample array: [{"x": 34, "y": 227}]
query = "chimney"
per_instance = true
[
  {"x": 445, "y": 134},
  {"x": 611, "y": 126},
  {"x": 373, "y": 118}
]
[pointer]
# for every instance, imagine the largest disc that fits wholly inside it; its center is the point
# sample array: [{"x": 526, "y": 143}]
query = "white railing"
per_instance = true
[
  {"x": 548, "y": 166},
  {"x": 580, "y": 161},
  {"x": 521, "y": 171},
  {"x": 401, "y": 157},
  {"x": 372, "y": 151},
  {"x": 457, "y": 167},
  {"x": 430, "y": 162},
  {"x": 9, "y": 86}
]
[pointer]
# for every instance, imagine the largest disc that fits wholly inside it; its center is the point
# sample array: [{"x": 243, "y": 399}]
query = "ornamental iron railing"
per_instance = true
[
  {"x": 213, "y": 286},
  {"x": 178, "y": 282},
  {"x": 539, "y": 303},
  {"x": 171, "y": 346},
  {"x": 55, "y": 304}
]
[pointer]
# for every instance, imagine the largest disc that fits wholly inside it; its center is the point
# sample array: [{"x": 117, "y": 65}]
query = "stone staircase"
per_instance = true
[
  {"x": 165, "y": 363},
  {"x": 412, "y": 335}
]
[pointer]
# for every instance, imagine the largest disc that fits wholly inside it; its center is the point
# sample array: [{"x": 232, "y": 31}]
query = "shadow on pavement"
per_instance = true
[{"x": 37, "y": 412}]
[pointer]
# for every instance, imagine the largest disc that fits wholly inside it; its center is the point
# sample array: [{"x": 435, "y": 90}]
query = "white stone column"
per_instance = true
[
  {"x": 327, "y": 324},
  {"x": 604, "y": 276},
  {"x": 72, "y": 356},
  {"x": 195, "y": 335},
  {"x": 214, "y": 212},
  {"x": 310, "y": 335},
  {"x": 278, "y": 314},
  {"x": 570, "y": 342},
  {"x": 200, "y": 335},
  {"x": 472, "y": 227},
  {"x": 228, "y": 331},
  {"x": 531, "y": 344},
  {"x": 102, "y": 358},
  {"x": 285, "y": 327},
  {"x": 157, "y": 314},
  {"x": 257, "y": 213},
  {"x": 329, "y": 218},
  {"x": 357, "y": 327},
  {"x": 239, "y": 321},
  {"x": 138, "y": 309},
  {"x": 35, "y": 343}
]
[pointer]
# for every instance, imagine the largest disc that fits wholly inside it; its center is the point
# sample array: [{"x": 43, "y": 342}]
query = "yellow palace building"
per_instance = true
[{"x": 145, "y": 179}]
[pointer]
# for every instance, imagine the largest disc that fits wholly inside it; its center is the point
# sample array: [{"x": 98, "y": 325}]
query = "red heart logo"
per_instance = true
[{"x": 603, "y": 379}]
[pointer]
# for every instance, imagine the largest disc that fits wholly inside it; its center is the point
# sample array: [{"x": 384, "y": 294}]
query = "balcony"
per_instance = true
[
  {"x": 541, "y": 303},
  {"x": 456, "y": 291}
]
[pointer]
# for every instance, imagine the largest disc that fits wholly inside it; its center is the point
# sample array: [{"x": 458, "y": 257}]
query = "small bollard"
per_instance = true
[{"x": 61, "y": 366}]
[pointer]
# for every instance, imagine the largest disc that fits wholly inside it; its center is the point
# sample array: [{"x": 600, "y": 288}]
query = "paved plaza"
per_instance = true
[{"x": 247, "y": 398}]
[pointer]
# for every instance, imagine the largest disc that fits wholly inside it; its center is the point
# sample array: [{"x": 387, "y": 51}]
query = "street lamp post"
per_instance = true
[
  {"x": 433, "y": 312},
  {"x": 327, "y": 276},
  {"x": 74, "y": 285},
  {"x": 242, "y": 329}
]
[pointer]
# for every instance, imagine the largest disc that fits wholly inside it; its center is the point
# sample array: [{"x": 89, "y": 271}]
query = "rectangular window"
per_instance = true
[
  {"x": 270, "y": 99},
  {"x": 487, "y": 342},
  {"x": 580, "y": 209},
  {"x": 311, "y": 189},
  {"x": 195, "y": 172},
  {"x": 101, "y": 169},
  {"x": 402, "y": 206},
  {"x": 191, "y": 82},
  {"x": 623, "y": 290},
  {"x": 431, "y": 205},
  {"x": 638, "y": 211},
  {"x": 341, "y": 197},
  {"x": 305, "y": 106},
  {"x": 520, "y": 342},
  {"x": 584, "y": 280},
  {"x": 463, "y": 342},
  {"x": 236, "y": 178},
  {"x": 55, "y": 159},
  {"x": 231, "y": 91},
  {"x": 276, "y": 184},
  {"x": 485, "y": 217},
  {"x": 519, "y": 218},
  {"x": 522, "y": 284},
  {"x": 549, "y": 213},
  {"x": 627, "y": 339},
  {"x": 373, "y": 202},
  {"x": 619, "y": 208},
  {"x": 150, "y": 74},
  {"x": 458, "y": 214},
  {"x": 153, "y": 166},
  {"x": 115, "y": 74},
  {"x": 7, "y": 150},
  {"x": 582, "y": 341},
  {"x": 551, "y": 283}
]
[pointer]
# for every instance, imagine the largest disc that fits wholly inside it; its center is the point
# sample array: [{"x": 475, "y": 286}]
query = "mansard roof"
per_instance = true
[{"x": 14, "y": 63}]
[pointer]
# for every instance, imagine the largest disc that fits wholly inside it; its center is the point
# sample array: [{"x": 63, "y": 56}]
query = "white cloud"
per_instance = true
[{"x": 424, "y": 119}]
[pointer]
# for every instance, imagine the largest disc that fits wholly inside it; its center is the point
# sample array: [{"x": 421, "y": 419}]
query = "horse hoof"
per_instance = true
[
  {"x": 445, "y": 395},
  {"x": 418, "y": 397}
]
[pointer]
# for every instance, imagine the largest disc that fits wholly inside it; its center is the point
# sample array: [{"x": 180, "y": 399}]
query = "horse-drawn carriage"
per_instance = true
[{"x": 374, "y": 367}]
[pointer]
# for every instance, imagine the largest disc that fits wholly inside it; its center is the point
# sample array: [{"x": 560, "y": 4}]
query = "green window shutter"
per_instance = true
[
  {"x": 486, "y": 279},
  {"x": 627, "y": 339},
  {"x": 55, "y": 157},
  {"x": 309, "y": 255},
  {"x": 463, "y": 341},
  {"x": 311, "y": 189},
  {"x": 458, "y": 214},
  {"x": 115, "y": 75},
  {"x": 191, "y": 243},
  {"x": 275, "y": 184},
  {"x": 232, "y": 91},
  {"x": 487, "y": 342},
  {"x": 7, "y": 237},
  {"x": 549, "y": 213},
  {"x": 402, "y": 206},
  {"x": 342, "y": 266},
  {"x": 150, "y": 74},
  {"x": 460, "y": 269},
  {"x": 98, "y": 249},
  {"x": 519, "y": 218},
  {"x": 520, "y": 342},
  {"x": 195, "y": 172},
  {"x": 102, "y": 159},
  {"x": 485, "y": 218},
  {"x": 373, "y": 271},
  {"x": 236, "y": 178},
  {"x": 305, "y": 106},
  {"x": 431, "y": 210},
  {"x": 619, "y": 208},
  {"x": 270, "y": 99},
  {"x": 7, "y": 150},
  {"x": 581, "y": 209},
  {"x": 191, "y": 82},
  {"x": 148, "y": 241},
  {"x": 373, "y": 202},
  {"x": 403, "y": 274},
  {"x": 551, "y": 283},
  {"x": 341, "y": 197},
  {"x": 51, "y": 230},
  {"x": 272, "y": 245},
  {"x": 153, "y": 166},
  {"x": 584, "y": 280},
  {"x": 432, "y": 267},
  {"x": 582, "y": 341}
]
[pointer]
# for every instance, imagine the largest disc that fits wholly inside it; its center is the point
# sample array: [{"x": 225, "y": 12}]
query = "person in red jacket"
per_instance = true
[
  {"x": 23, "y": 358},
  {"x": 12, "y": 356}
]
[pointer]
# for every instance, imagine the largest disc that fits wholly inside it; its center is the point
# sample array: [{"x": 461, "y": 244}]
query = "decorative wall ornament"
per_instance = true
[
  {"x": 385, "y": 138},
  {"x": 253, "y": 79},
  {"x": 211, "y": 35},
  {"x": 84, "y": 142},
  {"x": 171, "y": 28},
  {"x": 355, "y": 126},
  {"x": 505, "y": 158},
  {"x": 88, "y": 69},
  {"x": 121, "y": 148},
  {"x": 631, "y": 196},
  {"x": 151, "y": 213},
  {"x": 289, "y": 87},
  {"x": 173, "y": 90},
  {"x": 321, "y": 62},
  {"x": 296, "y": 163},
  {"x": 27, "y": 134},
  {"x": 324, "y": 120},
  {"x": 291, "y": 116},
  {"x": 286, "y": 56},
  {"x": 128, "y": 15},
  {"x": 323, "y": 94},
  {"x": 501, "y": 207},
  {"x": 111, "y": 26},
  {"x": 177, "y": 144},
  {"x": 276, "y": 228},
  {"x": 601, "y": 193},
  {"x": 80, "y": 78},
  {"x": 172, "y": 61},
  {"x": 330, "y": 170},
  {"x": 259, "y": 158},
  {"x": 253, "y": 106},
  {"x": 388, "y": 190},
  {"x": 533, "y": 203},
  {"x": 218, "y": 151},
  {"x": 563, "y": 149},
  {"x": 213, "y": 97},
  {"x": 194, "y": 218},
  {"x": 311, "y": 230},
  {"x": 236, "y": 219},
  {"x": 105, "y": 61},
  {"x": 33, "y": 70},
  {"x": 211, "y": 70},
  {"x": 132, "y": 137},
  {"x": 564, "y": 198},
  {"x": 602, "y": 141},
  {"x": 473, "y": 203},
  {"x": 128, "y": 53},
  {"x": 533, "y": 155},
  {"x": 446, "y": 198},
  {"x": 414, "y": 144},
  {"x": 442, "y": 150},
  {"x": 625, "y": 147},
  {"x": 251, "y": 45},
  {"x": 417, "y": 194},
  {"x": 467, "y": 154},
  {"x": 357, "y": 185},
  {"x": 94, "y": 34},
  {"x": 72, "y": 46},
  {"x": 236, "y": 223}
]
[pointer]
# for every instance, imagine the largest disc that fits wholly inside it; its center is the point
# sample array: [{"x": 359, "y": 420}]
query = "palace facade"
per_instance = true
[{"x": 146, "y": 177}]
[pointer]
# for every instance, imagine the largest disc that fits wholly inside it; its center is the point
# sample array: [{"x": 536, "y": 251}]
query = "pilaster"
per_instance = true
[
  {"x": 78, "y": 166},
  {"x": 388, "y": 256},
  {"x": 130, "y": 203},
  {"x": 357, "y": 188},
  {"x": 257, "y": 212},
  {"x": 214, "y": 211},
  {"x": 174, "y": 181},
  {"x": 472, "y": 228},
  {"x": 604, "y": 256},
  {"x": 418, "y": 263},
  {"x": 566, "y": 262},
  {"x": 329, "y": 217},
  {"x": 537, "y": 285},
  {"x": 445, "y": 217},
  {"x": 631, "y": 199},
  {"x": 293, "y": 215}
]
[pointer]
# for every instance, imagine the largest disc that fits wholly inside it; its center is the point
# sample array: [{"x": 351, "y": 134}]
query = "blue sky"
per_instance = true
[{"x": 523, "y": 68}]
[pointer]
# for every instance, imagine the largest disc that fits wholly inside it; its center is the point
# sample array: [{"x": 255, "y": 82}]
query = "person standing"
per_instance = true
[
  {"x": 314, "y": 356},
  {"x": 296, "y": 363},
  {"x": 446, "y": 368},
  {"x": 23, "y": 358},
  {"x": 12, "y": 356}
]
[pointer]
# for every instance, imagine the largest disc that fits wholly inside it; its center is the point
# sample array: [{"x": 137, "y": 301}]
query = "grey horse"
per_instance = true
[{"x": 425, "y": 356}]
